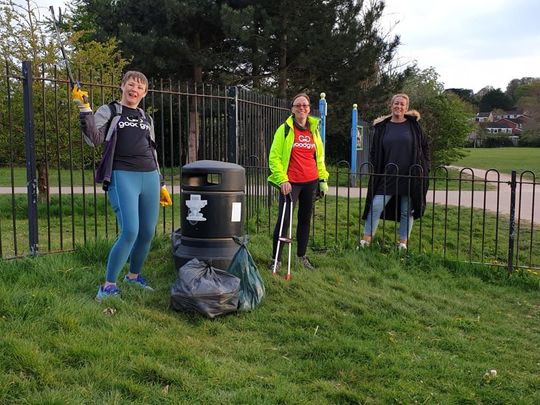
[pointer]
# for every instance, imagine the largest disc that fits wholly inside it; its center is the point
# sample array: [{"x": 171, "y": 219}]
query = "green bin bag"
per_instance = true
[{"x": 251, "y": 284}]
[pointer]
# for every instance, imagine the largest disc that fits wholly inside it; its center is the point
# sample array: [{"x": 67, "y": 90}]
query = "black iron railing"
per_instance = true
[{"x": 49, "y": 201}]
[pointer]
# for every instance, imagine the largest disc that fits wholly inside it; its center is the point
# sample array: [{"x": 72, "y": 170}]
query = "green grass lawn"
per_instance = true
[
  {"x": 503, "y": 159},
  {"x": 456, "y": 233},
  {"x": 367, "y": 327}
]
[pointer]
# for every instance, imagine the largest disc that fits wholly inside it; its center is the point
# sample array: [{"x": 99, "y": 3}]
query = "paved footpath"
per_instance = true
[{"x": 527, "y": 207}]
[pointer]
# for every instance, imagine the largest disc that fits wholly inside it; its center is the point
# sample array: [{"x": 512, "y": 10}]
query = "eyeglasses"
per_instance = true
[{"x": 301, "y": 105}]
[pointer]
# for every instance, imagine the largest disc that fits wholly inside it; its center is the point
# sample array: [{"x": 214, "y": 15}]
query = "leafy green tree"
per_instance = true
[
  {"x": 495, "y": 99},
  {"x": 279, "y": 46},
  {"x": 466, "y": 95},
  {"x": 512, "y": 89},
  {"x": 530, "y": 138},
  {"x": 445, "y": 118},
  {"x": 528, "y": 99},
  {"x": 26, "y": 36},
  {"x": 179, "y": 39}
]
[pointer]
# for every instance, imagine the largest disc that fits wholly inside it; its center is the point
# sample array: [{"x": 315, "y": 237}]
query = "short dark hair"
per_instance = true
[{"x": 300, "y": 95}]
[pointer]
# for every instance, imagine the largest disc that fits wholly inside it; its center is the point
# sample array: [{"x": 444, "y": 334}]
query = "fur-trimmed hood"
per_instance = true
[{"x": 411, "y": 113}]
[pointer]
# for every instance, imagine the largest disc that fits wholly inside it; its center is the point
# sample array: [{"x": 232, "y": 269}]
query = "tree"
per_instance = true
[
  {"x": 277, "y": 46},
  {"x": 445, "y": 118},
  {"x": 466, "y": 95},
  {"x": 482, "y": 92},
  {"x": 529, "y": 101},
  {"x": 179, "y": 39},
  {"x": 495, "y": 99},
  {"x": 24, "y": 35},
  {"x": 515, "y": 84}
]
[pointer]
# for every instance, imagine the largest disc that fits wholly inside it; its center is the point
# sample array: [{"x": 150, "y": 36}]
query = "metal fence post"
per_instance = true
[
  {"x": 232, "y": 120},
  {"x": 512, "y": 225},
  {"x": 30, "y": 148}
]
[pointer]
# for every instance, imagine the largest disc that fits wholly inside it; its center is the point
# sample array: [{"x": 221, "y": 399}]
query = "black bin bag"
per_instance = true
[
  {"x": 202, "y": 288},
  {"x": 251, "y": 284}
]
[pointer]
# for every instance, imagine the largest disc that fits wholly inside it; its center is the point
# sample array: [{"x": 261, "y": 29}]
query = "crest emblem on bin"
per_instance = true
[{"x": 195, "y": 204}]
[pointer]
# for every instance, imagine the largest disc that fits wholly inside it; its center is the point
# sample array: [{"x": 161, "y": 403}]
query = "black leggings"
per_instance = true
[{"x": 302, "y": 195}]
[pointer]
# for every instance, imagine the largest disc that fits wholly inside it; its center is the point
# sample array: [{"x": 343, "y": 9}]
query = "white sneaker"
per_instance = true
[
  {"x": 363, "y": 244},
  {"x": 402, "y": 246}
]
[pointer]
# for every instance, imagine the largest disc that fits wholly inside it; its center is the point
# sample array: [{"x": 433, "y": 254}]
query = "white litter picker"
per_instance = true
[{"x": 285, "y": 239}]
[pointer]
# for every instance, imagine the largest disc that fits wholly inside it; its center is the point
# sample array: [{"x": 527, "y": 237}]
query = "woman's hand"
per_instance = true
[{"x": 286, "y": 188}]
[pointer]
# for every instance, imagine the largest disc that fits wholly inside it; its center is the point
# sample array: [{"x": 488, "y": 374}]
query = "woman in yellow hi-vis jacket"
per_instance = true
[{"x": 297, "y": 168}]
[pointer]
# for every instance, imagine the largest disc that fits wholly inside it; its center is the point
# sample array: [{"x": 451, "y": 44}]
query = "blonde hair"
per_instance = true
[
  {"x": 402, "y": 95},
  {"x": 135, "y": 75}
]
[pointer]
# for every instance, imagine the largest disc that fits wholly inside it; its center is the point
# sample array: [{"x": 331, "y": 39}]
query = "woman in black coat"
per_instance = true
[{"x": 400, "y": 157}]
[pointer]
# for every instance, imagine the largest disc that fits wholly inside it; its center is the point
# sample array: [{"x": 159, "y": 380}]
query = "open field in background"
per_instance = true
[
  {"x": 503, "y": 159},
  {"x": 369, "y": 326}
]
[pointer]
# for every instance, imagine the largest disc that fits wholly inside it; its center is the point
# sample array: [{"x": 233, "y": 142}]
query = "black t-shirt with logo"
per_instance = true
[{"x": 133, "y": 149}]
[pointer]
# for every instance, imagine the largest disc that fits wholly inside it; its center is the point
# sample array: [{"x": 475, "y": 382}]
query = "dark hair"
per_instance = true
[{"x": 300, "y": 95}]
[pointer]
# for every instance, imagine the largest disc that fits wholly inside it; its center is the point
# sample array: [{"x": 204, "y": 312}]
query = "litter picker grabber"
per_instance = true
[
  {"x": 57, "y": 23},
  {"x": 285, "y": 239}
]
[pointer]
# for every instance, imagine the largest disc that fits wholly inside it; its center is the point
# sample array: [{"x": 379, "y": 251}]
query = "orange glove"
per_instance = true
[{"x": 164, "y": 197}]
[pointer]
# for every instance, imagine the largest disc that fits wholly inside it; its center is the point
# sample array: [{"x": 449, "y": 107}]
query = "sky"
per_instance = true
[{"x": 470, "y": 43}]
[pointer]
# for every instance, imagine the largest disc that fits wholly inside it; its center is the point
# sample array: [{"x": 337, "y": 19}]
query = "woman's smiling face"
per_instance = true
[
  {"x": 133, "y": 92},
  {"x": 301, "y": 108},
  {"x": 399, "y": 107}
]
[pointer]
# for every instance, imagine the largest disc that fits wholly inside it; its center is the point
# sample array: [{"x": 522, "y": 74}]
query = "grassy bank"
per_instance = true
[{"x": 368, "y": 327}]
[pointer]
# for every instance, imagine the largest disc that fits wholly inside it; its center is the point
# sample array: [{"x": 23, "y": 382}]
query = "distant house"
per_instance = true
[
  {"x": 508, "y": 114},
  {"x": 502, "y": 126},
  {"x": 520, "y": 121},
  {"x": 484, "y": 117},
  {"x": 505, "y": 123}
]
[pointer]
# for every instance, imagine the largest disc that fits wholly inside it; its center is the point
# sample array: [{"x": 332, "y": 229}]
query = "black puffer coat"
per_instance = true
[{"x": 420, "y": 171}]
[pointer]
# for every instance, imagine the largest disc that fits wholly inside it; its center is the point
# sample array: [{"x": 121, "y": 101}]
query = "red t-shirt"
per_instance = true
[{"x": 302, "y": 164}]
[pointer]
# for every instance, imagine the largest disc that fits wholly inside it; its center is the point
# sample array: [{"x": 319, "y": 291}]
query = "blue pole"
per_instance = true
[
  {"x": 322, "y": 115},
  {"x": 354, "y": 129}
]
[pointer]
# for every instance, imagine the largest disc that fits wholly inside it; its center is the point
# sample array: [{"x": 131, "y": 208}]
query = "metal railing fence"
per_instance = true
[
  {"x": 49, "y": 201},
  {"x": 472, "y": 216}
]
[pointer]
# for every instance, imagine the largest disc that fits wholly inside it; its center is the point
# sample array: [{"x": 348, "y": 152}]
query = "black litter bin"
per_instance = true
[{"x": 211, "y": 213}]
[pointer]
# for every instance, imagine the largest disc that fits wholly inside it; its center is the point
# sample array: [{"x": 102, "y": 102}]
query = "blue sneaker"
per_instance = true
[
  {"x": 107, "y": 292},
  {"x": 140, "y": 281}
]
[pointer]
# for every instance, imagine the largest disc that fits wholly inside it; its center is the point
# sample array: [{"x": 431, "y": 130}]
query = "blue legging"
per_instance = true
[{"x": 134, "y": 197}]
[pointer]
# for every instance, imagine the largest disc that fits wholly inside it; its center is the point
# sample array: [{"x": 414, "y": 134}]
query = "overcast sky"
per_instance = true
[{"x": 470, "y": 43}]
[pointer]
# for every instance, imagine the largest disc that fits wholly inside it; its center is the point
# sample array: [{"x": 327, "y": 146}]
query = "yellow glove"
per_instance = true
[
  {"x": 323, "y": 188},
  {"x": 164, "y": 197},
  {"x": 80, "y": 98}
]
